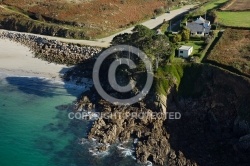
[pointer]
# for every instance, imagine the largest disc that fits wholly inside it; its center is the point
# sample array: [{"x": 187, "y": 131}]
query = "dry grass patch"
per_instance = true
[
  {"x": 233, "y": 50},
  {"x": 100, "y": 17},
  {"x": 237, "y": 5}
]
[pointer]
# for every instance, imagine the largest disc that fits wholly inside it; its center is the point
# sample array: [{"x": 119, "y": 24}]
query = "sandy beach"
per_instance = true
[{"x": 18, "y": 60}]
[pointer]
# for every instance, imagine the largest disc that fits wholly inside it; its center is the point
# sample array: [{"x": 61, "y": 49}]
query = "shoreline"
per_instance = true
[
  {"x": 17, "y": 59},
  {"x": 23, "y": 73},
  {"x": 67, "y": 84}
]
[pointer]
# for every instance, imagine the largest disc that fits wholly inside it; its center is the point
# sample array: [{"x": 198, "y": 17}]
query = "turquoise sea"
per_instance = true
[{"x": 35, "y": 129}]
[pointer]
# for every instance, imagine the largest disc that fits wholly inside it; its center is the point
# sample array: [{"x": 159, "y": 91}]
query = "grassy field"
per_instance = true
[
  {"x": 236, "y": 19},
  {"x": 213, "y": 4},
  {"x": 232, "y": 51}
]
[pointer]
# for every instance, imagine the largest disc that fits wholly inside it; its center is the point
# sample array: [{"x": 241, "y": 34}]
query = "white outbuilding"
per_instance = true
[{"x": 185, "y": 51}]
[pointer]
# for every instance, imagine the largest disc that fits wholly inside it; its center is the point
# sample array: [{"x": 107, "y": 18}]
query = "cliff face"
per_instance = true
[{"x": 213, "y": 129}]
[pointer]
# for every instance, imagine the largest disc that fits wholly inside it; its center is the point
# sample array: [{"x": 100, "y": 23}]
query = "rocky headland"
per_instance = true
[{"x": 213, "y": 130}]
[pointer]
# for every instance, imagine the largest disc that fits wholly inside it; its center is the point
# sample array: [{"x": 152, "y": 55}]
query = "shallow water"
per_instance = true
[{"x": 34, "y": 132}]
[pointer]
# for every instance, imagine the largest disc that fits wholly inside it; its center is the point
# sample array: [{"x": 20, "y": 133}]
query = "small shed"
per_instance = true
[{"x": 185, "y": 51}]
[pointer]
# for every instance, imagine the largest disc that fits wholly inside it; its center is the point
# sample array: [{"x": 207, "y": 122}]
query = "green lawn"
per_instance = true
[
  {"x": 213, "y": 4},
  {"x": 236, "y": 19},
  {"x": 178, "y": 60},
  {"x": 197, "y": 46}
]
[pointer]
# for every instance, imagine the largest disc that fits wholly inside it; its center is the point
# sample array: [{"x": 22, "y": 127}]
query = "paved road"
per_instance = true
[
  {"x": 105, "y": 42},
  {"x": 152, "y": 23}
]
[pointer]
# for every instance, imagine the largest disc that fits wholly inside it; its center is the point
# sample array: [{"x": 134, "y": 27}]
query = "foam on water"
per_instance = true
[
  {"x": 97, "y": 153},
  {"x": 149, "y": 163},
  {"x": 126, "y": 151}
]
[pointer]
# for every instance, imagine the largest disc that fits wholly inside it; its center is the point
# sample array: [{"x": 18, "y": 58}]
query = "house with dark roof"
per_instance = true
[{"x": 199, "y": 27}]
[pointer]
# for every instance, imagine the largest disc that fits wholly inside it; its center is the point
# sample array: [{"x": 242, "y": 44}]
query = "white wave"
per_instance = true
[
  {"x": 149, "y": 163},
  {"x": 95, "y": 152},
  {"x": 82, "y": 141},
  {"x": 135, "y": 140},
  {"x": 126, "y": 151},
  {"x": 93, "y": 139}
]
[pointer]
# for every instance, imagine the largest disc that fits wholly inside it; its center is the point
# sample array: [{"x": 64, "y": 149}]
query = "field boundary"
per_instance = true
[
  {"x": 228, "y": 4},
  {"x": 227, "y": 67},
  {"x": 211, "y": 46}
]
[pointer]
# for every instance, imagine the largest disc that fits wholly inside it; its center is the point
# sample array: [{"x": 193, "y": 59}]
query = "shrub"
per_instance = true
[
  {"x": 213, "y": 27},
  {"x": 177, "y": 38},
  {"x": 197, "y": 55},
  {"x": 196, "y": 38},
  {"x": 159, "y": 11},
  {"x": 185, "y": 34}
]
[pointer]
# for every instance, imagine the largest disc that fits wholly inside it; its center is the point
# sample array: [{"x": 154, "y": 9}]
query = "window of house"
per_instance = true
[
  {"x": 199, "y": 32},
  {"x": 181, "y": 52}
]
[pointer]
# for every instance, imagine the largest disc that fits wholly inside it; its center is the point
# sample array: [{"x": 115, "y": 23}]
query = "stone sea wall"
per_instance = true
[{"x": 53, "y": 50}]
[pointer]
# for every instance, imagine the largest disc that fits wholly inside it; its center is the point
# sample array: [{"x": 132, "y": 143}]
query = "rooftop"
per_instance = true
[
  {"x": 194, "y": 27},
  {"x": 185, "y": 47},
  {"x": 201, "y": 20}
]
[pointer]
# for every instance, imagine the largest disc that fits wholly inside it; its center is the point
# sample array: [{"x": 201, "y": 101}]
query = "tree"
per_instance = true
[
  {"x": 141, "y": 31},
  {"x": 121, "y": 39},
  {"x": 185, "y": 34},
  {"x": 155, "y": 46},
  {"x": 177, "y": 38}
]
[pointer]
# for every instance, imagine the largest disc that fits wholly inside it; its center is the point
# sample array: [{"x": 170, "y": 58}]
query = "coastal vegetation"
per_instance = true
[
  {"x": 181, "y": 76},
  {"x": 19, "y": 22},
  {"x": 78, "y": 19}
]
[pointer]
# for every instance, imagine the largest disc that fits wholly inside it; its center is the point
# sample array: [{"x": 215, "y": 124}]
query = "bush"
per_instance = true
[
  {"x": 159, "y": 11},
  {"x": 177, "y": 38},
  {"x": 197, "y": 55},
  {"x": 185, "y": 34},
  {"x": 213, "y": 27},
  {"x": 196, "y": 38}
]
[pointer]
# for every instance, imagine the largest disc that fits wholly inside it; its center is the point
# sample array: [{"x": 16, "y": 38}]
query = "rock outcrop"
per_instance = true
[{"x": 120, "y": 123}]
